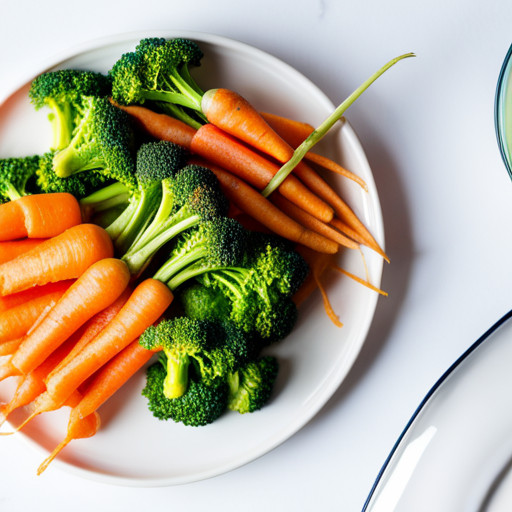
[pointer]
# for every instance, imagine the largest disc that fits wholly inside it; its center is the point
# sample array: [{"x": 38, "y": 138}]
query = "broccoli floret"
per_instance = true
[
  {"x": 158, "y": 71},
  {"x": 189, "y": 199},
  {"x": 200, "y": 405},
  {"x": 208, "y": 350},
  {"x": 204, "y": 303},
  {"x": 79, "y": 185},
  {"x": 250, "y": 387},
  {"x": 62, "y": 92},
  {"x": 259, "y": 290},
  {"x": 15, "y": 174},
  {"x": 155, "y": 163},
  {"x": 102, "y": 141}
]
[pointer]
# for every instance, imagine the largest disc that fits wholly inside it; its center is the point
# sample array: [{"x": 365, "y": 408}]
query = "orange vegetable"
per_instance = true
[
  {"x": 224, "y": 150},
  {"x": 97, "y": 288},
  {"x": 39, "y": 216},
  {"x": 12, "y": 248},
  {"x": 65, "y": 256},
  {"x": 7, "y": 348},
  {"x": 146, "y": 304}
]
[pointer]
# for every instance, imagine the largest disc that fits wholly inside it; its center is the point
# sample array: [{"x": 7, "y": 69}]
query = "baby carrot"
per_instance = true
[
  {"x": 146, "y": 304},
  {"x": 65, "y": 256},
  {"x": 98, "y": 287},
  {"x": 12, "y": 248},
  {"x": 224, "y": 150},
  {"x": 39, "y": 216}
]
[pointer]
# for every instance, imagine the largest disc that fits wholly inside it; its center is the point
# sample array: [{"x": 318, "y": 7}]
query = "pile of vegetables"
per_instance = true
[{"x": 163, "y": 220}]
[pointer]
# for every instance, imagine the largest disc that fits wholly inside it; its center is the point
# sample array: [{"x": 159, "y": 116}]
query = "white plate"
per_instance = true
[
  {"x": 133, "y": 448},
  {"x": 456, "y": 451}
]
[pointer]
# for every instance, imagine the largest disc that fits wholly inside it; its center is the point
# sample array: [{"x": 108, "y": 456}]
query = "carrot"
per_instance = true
[
  {"x": 146, "y": 304},
  {"x": 261, "y": 209},
  {"x": 32, "y": 384},
  {"x": 17, "y": 320},
  {"x": 224, "y": 150},
  {"x": 160, "y": 126},
  {"x": 293, "y": 132},
  {"x": 112, "y": 376},
  {"x": 12, "y": 248},
  {"x": 65, "y": 256},
  {"x": 310, "y": 222},
  {"x": 98, "y": 287},
  {"x": 7, "y": 348},
  {"x": 39, "y": 216},
  {"x": 78, "y": 428}
]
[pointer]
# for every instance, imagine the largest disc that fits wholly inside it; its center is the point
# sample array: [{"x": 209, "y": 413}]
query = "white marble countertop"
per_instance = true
[{"x": 446, "y": 199}]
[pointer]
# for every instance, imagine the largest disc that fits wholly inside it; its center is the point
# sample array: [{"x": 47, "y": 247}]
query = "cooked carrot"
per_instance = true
[
  {"x": 146, "y": 304},
  {"x": 12, "y": 248},
  {"x": 310, "y": 222},
  {"x": 78, "y": 428},
  {"x": 112, "y": 376},
  {"x": 160, "y": 126},
  {"x": 224, "y": 150},
  {"x": 261, "y": 209},
  {"x": 39, "y": 216},
  {"x": 17, "y": 320},
  {"x": 65, "y": 256},
  {"x": 98, "y": 287}
]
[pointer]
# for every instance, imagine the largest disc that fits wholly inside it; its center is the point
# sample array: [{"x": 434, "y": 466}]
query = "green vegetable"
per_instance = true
[{"x": 15, "y": 174}]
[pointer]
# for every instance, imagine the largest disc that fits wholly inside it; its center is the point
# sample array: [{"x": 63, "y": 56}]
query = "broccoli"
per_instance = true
[
  {"x": 15, "y": 175},
  {"x": 251, "y": 386},
  {"x": 102, "y": 142},
  {"x": 155, "y": 163},
  {"x": 200, "y": 405},
  {"x": 201, "y": 302},
  {"x": 208, "y": 350},
  {"x": 259, "y": 291},
  {"x": 193, "y": 196},
  {"x": 158, "y": 71},
  {"x": 63, "y": 92}
]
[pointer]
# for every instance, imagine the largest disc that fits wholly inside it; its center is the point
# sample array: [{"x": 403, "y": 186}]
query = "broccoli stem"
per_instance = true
[
  {"x": 108, "y": 197},
  {"x": 176, "y": 382},
  {"x": 60, "y": 119},
  {"x": 324, "y": 127},
  {"x": 10, "y": 191}
]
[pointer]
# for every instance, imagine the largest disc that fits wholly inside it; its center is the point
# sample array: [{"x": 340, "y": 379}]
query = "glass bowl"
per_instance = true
[{"x": 503, "y": 111}]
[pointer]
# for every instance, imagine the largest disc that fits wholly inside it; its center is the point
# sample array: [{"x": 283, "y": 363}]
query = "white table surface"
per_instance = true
[{"x": 428, "y": 131}]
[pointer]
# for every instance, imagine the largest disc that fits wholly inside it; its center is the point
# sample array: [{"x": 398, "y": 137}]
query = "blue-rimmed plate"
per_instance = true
[{"x": 503, "y": 111}]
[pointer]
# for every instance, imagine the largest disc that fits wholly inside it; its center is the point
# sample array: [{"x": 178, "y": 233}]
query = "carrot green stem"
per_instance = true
[{"x": 317, "y": 134}]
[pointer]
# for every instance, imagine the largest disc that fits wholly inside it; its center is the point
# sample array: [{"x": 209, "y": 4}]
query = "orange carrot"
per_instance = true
[
  {"x": 293, "y": 132},
  {"x": 36, "y": 292},
  {"x": 112, "y": 376},
  {"x": 17, "y": 320},
  {"x": 160, "y": 126},
  {"x": 78, "y": 428},
  {"x": 7, "y": 348},
  {"x": 65, "y": 256},
  {"x": 224, "y": 150},
  {"x": 310, "y": 222},
  {"x": 146, "y": 304},
  {"x": 98, "y": 287},
  {"x": 12, "y": 248},
  {"x": 261, "y": 209},
  {"x": 39, "y": 216}
]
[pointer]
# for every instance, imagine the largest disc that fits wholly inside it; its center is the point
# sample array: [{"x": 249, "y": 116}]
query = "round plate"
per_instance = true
[
  {"x": 503, "y": 111},
  {"x": 132, "y": 447},
  {"x": 456, "y": 450}
]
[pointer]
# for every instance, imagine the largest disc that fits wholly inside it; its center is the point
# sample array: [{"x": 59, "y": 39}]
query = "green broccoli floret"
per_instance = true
[
  {"x": 204, "y": 303},
  {"x": 62, "y": 92},
  {"x": 208, "y": 350},
  {"x": 15, "y": 175},
  {"x": 158, "y": 71},
  {"x": 250, "y": 387},
  {"x": 200, "y": 405},
  {"x": 259, "y": 290},
  {"x": 189, "y": 199},
  {"x": 102, "y": 142},
  {"x": 79, "y": 185},
  {"x": 155, "y": 163}
]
